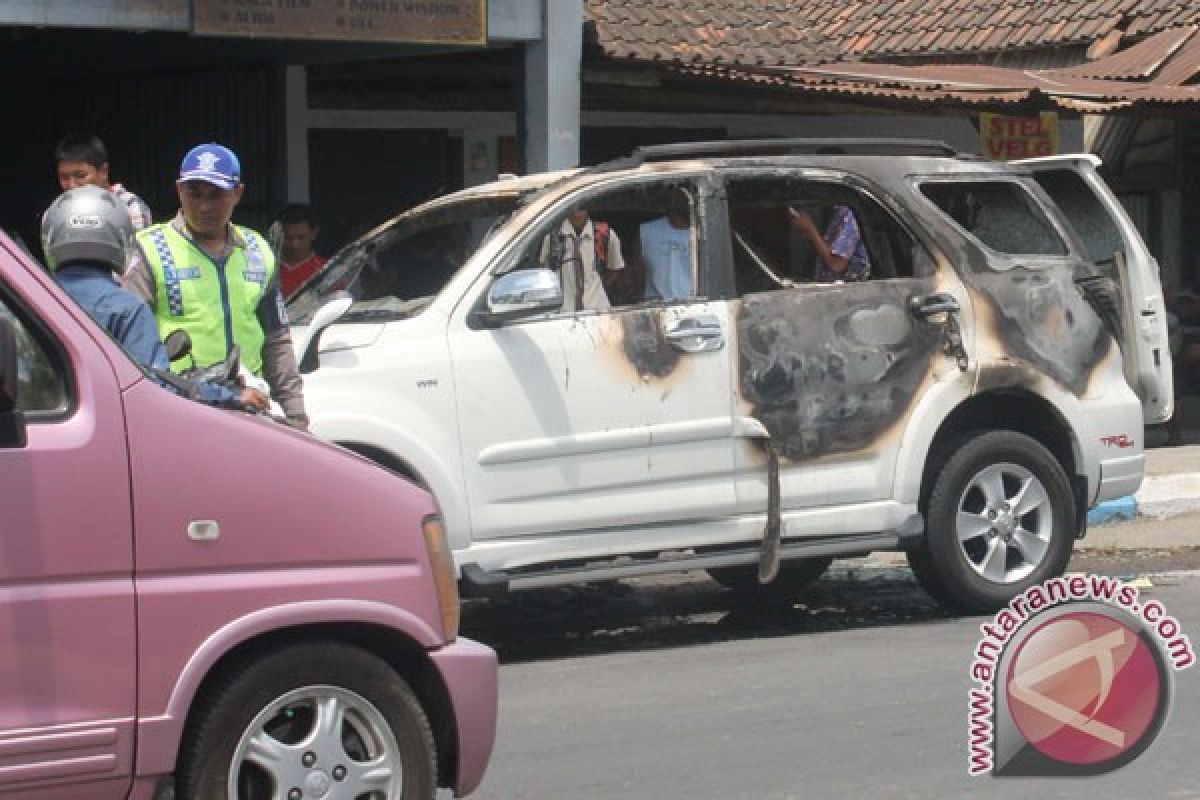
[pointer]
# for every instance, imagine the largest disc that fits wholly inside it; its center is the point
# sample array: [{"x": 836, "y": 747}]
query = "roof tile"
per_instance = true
[{"x": 811, "y": 31}]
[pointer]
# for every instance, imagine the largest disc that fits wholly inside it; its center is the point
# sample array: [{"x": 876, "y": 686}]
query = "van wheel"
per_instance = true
[
  {"x": 793, "y": 576},
  {"x": 310, "y": 721},
  {"x": 999, "y": 520}
]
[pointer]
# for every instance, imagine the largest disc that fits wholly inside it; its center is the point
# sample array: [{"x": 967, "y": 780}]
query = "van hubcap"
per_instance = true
[{"x": 314, "y": 743}]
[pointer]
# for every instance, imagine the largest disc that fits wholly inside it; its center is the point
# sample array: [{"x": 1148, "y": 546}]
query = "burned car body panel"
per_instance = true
[
  {"x": 1038, "y": 318},
  {"x": 829, "y": 371}
]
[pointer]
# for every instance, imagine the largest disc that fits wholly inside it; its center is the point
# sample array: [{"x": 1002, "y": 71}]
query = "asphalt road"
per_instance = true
[{"x": 673, "y": 688}]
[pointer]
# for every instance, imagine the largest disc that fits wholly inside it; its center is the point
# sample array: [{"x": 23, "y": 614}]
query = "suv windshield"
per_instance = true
[{"x": 396, "y": 270}]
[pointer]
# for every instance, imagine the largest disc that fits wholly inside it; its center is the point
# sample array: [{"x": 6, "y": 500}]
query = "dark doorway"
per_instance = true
[
  {"x": 598, "y": 145},
  {"x": 360, "y": 178}
]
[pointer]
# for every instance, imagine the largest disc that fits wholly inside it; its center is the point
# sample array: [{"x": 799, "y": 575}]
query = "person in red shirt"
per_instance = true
[{"x": 297, "y": 260}]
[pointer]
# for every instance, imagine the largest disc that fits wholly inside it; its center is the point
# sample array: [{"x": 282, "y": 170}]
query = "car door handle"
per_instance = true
[
  {"x": 701, "y": 334},
  {"x": 940, "y": 303}
]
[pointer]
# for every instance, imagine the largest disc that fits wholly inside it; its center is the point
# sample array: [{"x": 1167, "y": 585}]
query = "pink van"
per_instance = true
[{"x": 208, "y": 600}]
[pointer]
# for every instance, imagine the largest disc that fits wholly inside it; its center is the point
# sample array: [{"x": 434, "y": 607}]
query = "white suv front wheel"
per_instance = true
[{"x": 1000, "y": 519}]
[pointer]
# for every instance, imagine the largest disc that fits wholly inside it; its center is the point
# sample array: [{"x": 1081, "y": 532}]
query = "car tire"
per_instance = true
[
  {"x": 266, "y": 727},
  {"x": 999, "y": 519},
  {"x": 794, "y": 575}
]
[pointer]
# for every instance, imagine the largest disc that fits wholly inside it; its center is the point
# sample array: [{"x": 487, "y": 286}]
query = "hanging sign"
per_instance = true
[
  {"x": 1007, "y": 137},
  {"x": 455, "y": 22}
]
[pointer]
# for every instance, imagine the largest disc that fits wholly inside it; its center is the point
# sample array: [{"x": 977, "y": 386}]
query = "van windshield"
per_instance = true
[{"x": 397, "y": 269}]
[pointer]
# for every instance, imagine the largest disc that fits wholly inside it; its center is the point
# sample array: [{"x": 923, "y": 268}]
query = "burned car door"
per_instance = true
[
  {"x": 610, "y": 411},
  {"x": 1113, "y": 244},
  {"x": 842, "y": 320}
]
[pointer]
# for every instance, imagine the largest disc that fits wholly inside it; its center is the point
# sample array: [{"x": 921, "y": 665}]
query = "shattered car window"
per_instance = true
[
  {"x": 1000, "y": 214},
  {"x": 397, "y": 269},
  {"x": 1083, "y": 210}
]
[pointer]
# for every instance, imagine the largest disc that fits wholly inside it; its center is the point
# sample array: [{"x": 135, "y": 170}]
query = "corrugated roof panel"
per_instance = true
[
  {"x": 1139, "y": 62},
  {"x": 1184, "y": 64},
  {"x": 975, "y": 82}
]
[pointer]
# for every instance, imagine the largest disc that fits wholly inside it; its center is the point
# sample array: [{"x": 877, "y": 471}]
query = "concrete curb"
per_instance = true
[{"x": 1161, "y": 496}]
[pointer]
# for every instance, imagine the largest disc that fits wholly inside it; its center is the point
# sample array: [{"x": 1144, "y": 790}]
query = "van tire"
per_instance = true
[
  {"x": 794, "y": 575},
  {"x": 1000, "y": 519},
  {"x": 280, "y": 692}
]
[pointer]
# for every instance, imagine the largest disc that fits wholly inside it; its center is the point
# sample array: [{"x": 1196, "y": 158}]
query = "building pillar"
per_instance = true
[
  {"x": 295, "y": 116},
  {"x": 553, "y": 77}
]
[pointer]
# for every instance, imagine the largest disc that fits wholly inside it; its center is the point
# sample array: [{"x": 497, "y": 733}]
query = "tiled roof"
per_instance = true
[
  {"x": 779, "y": 32},
  {"x": 704, "y": 32}
]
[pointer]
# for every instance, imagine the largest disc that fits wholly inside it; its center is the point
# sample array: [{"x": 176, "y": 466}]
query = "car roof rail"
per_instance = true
[
  {"x": 728, "y": 148},
  {"x": 766, "y": 147}
]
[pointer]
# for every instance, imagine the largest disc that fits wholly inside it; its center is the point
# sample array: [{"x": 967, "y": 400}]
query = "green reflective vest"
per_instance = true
[{"x": 216, "y": 307}]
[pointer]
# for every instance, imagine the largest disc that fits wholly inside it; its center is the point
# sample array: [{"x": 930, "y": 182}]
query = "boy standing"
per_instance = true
[{"x": 81, "y": 159}]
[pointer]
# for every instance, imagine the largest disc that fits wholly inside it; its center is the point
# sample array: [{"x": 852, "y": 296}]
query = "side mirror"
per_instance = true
[
  {"x": 12, "y": 421},
  {"x": 178, "y": 344},
  {"x": 523, "y": 293},
  {"x": 306, "y": 339}
]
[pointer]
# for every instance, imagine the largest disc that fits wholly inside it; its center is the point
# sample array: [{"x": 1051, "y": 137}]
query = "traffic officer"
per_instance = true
[
  {"x": 86, "y": 236},
  {"x": 218, "y": 281}
]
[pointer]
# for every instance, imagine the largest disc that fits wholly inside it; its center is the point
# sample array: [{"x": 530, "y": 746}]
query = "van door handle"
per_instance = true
[
  {"x": 700, "y": 334},
  {"x": 928, "y": 306}
]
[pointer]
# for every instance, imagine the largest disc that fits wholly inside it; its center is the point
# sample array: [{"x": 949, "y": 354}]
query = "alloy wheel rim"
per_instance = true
[
  {"x": 1004, "y": 523},
  {"x": 317, "y": 743}
]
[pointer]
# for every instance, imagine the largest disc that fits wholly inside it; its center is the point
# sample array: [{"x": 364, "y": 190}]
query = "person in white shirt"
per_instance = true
[
  {"x": 588, "y": 256},
  {"x": 667, "y": 253}
]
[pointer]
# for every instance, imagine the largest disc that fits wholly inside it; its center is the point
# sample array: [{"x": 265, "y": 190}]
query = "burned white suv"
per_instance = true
[{"x": 964, "y": 393}]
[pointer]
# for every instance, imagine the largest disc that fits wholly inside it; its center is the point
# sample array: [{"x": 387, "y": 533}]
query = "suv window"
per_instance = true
[
  {"x": 1084, "y": 211},
  {"x": 788, "y": 230},
  {"x": 639, "y": 241},
  {"x": 396, "y": 271},
  {"x": 1000, "y": 214},
  {"x": 41, "y": 385}
]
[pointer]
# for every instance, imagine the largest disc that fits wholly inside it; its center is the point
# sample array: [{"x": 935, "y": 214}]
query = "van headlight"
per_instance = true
[{"x": 442, "y": 564}]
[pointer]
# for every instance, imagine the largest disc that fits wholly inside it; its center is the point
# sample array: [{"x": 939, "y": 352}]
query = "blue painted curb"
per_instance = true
[{"x": 1123, "y": 508}]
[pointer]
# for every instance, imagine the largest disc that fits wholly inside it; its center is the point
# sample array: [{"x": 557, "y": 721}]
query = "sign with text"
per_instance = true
[
  {"x": 455, "y": 22},
  {"x": 1008, "y": 137}
]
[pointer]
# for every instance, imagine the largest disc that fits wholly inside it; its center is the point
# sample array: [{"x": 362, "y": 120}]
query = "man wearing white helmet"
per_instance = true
[{"x": 86, "y": 236}]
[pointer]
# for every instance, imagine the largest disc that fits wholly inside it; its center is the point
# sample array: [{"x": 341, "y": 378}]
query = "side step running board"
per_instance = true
[{"x": 476, "y": 582}]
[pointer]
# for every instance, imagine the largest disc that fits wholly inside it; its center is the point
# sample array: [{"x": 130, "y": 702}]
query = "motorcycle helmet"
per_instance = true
[{"x": 87, "y": 224}]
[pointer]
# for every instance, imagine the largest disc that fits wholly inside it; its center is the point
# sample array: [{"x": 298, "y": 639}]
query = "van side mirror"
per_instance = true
[
  {"x": 522, "y": 293},
  {"x": 12, "y": 421}
]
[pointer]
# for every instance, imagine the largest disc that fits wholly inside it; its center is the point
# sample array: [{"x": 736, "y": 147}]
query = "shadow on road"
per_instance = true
[
  {"x": 682, "y": 610},
  {"x": 686, "y": 610}
]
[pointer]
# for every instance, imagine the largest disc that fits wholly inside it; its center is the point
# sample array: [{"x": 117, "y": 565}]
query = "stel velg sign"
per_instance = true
[{"x": 1005, "y": 137}]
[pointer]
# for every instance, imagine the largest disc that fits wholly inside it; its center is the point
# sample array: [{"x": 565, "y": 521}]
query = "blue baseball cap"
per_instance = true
[{"x": 212, "y": 163}]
